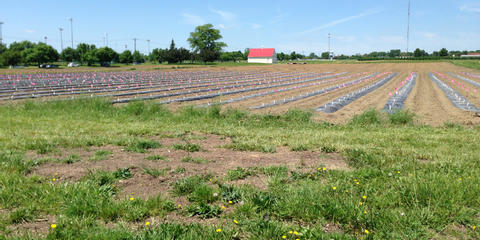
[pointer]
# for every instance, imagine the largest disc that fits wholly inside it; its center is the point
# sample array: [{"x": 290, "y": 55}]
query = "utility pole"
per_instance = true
[
  {"x": 1, "y": 39},
  {"x": 148, "y": 42},
  {"x": 71, "y": 29},
  {"x": 329, "y": 51},
  {"x": 61, "y": 38},
  {"x": 408, "y": 28},
  {"x": 126, "y": 46},
  {"x": 134, "y": 49},
  {"x": 45, "y": 39},
  {"x": 106, "y": 37}
]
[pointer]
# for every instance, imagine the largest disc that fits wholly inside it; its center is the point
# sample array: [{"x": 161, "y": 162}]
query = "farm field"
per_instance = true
[
  {"x": 267, "y": 89},
  {"x": 324, "y": 161}
]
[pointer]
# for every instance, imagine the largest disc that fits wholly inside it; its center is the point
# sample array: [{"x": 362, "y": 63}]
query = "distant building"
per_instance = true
[
  {"x": 471, "y": 55},
  {"x": 262, "y": 55}
]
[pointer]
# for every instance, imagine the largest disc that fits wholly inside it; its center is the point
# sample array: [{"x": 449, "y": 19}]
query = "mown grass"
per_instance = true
[
  {"x": 473, "y": 64},
  {"x": 406, "y": 181}
]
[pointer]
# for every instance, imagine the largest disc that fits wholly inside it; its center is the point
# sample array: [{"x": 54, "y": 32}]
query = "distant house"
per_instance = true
[
  {"x": 262, "y": 55},
  {"x": 471, "y": 55}
]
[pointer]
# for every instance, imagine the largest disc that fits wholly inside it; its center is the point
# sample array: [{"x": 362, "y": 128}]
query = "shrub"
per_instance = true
[{"x": 401, "y": 117}]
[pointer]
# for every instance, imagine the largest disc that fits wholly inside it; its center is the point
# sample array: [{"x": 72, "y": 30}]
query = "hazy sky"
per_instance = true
[{"x": 302, "y": 26}]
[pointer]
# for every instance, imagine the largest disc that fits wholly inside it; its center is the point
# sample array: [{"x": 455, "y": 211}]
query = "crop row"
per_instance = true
[
  {"x": 456, "y": 98},
  {"x": 341, "y": 102},
  {"x": 398, "y": 97}
]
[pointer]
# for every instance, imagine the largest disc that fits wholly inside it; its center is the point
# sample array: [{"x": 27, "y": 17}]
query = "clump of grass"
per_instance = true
[
  {"x": 41, "y": 146},
  {"x": 21, "y": 215},
  {"x": 251, "y": 147},
  {"x": 189, "y": 147},
  {"x": 123, "y": 173},
  {"x": 190, "y": 159},
  {"x": 156, "y": 158},
  {"x": 452, "y": 125},
  {"x": 328, "y": 149},
  {"x": 179, "y": 170},
  {"x": 142, "y": 145},
  {"x": 70, "y": 159},
  {"x": 187, "y": 185},
  {"x": 401, "y": 117},
  {"x": 369, "y": 117},
  {"x": 239, "y": 173},
  {"x": 299, "y": 147},
  {"x": 230, "y": 193},
  {"x": 154, "y": 172},
  {"x": 100, "y": 155},
  {"x": 203, "y": 210},
  {"x": 203, "y": 194},
  {"x": 297, "y": 116}
]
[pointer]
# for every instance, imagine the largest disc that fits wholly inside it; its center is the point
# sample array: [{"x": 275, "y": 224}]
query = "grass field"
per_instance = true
[{"x": 375, "y": 177}]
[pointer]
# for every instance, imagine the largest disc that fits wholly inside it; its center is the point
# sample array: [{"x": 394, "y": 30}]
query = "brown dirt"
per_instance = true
[{"x": 220, "y": 160}]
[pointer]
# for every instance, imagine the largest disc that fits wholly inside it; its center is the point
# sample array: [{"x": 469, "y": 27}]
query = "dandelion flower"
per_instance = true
[
  {"x": 460, "y": 179},
  {"x": 365, "y": 212},
  {"x": 291, "y": 232},
  {"x": 147, "y": 223},
  {"x": 324, "y": 169},
  {"x": 55, "y": 174},
  {"x": 357, "y": 183},
  {"x": 346, "y": 190},
  {"x": 295, "y": 232},
  {"x": 218, "y": 230},
  {"x": 235, "y": 221},
  {"x": 223, "y": 207},
  {"x": 361, "y": 203},
  {"x": 319, "y": 169},
  {"x": 132, "y": 198},
  {"x": 284, "y": 237},
  {"x": 398, "y": 172},
  {"x": 364, "y": 197},
  {"x": 474, "y": 227},
  {"x": 230, "y": 202},
  {"x": 53, "y": 226},
  {"x": 54, "y": 179},
  {"x": 367, "y": 232},
  {"x": 179, "y": 206},
  {"x": 334, "y": 188}
]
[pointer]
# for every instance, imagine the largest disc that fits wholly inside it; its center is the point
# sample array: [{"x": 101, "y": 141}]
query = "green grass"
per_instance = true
[
  {"x": 419, "y": 182},
  {"x": 188, "y": 147},
  {"x": 473, "y": 64},
  {"x": 100, "y": 155},
  {"x": 156, "y": 158},
  {"x": 191, "y": 159},
  {"x": 154, "y": 172}
]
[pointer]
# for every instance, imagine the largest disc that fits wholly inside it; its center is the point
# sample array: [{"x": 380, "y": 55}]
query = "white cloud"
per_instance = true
[
  {"x": 226, "y": 16},
  {"x": 221, "y": 26},
  {"x": 470, "y": 8},
  {"x": 30, "y": 31},
  {"x": 343, "y": 20},
  {"x": 193, "y": 19},
  {"x": 256, "y": 26}
]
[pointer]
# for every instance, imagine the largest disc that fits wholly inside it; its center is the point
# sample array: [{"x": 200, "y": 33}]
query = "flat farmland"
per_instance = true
[
  {"x": 270, "y": 89},
  {"x": 320, "y": 151}
]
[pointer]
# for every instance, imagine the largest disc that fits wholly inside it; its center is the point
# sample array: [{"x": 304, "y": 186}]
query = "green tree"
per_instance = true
[
  {"x": 394, "y": 53},
  {"x": 10, "y": 58},
  {"x": 106, "y": 54},
  {"x": 138, "y": 57},
  {"x": 157, "y": 55},
  {"x": 325, "y": 55},
  {"x": 126, "y": 57},
  {"x": 443, "y": 52},
  {"x": 312, "y": 56},
  {"x": 69, "y": 55},
  {"x": 204, "y": 42},
  {"x": 86, "y": 53},
  {"x": 41, "y": 53}
]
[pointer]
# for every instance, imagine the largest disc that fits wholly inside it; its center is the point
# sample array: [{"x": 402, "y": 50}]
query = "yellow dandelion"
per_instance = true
[
  {"x": 364, "y": 197},
  {"x": 54, "y": 179},
  {"x": 365, "y": 212},
  {"x": 291, "y": 232},
  {"x": 230, "y": 202},
  {"x": 235, "y": 221},
  {"x": 295, "y": 232},
  {"x": 366, "y": 231},
  {"x": 284, "y": 237},
  {"x": 324, "y": 169},
  {"x": 223, "y": 207},
  {"x": 398, "y": 172},
  {"x": 460, "y": 179},
  {"x": 147, "y": 223},
  {"x": 297, "y": 239},
  {"x": 53, "y": 226},
  {"x": 132, "y": 198},
  {"x": 334, "y": 188},
  {"x": 218, "y": 230},
  {"x": 55, "y": 174},
  {"x": 357, "y": 183},
  {"x": 474, "y": 227},
  {"x": 179, "y": 206},
  {"x": 319, "y": 169},
  {"x": 355, "y": 180},
  {"x": 361, "y": 203},
  {"x": 346, "y": 190}
]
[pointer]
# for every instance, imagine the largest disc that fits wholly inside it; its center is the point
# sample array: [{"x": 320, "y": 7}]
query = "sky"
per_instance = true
[{"x": 286, "y": 25}]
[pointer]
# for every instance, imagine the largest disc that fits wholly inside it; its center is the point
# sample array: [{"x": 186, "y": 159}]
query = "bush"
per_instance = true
[
  {"x": 189, "y": 147},
  {"x": 142, "y": 145},
  {"x": 401, "y": 117},
  {"x": 369, "y": 117}
]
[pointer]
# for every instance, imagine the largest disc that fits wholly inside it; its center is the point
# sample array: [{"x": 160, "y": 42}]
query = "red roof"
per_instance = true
[
  {"x": 474, "y": 54},
  {"x": 261, "y": 52}
]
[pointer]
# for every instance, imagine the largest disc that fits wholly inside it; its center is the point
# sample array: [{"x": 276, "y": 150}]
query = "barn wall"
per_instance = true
[{"x": 260, "y": 60}]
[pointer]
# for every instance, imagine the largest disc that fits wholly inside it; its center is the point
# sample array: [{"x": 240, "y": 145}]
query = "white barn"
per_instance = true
[{"x": 262, "y": 55}]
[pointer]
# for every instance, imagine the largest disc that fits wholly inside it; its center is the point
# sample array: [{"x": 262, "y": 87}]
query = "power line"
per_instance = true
[
  {"x": 71, "y": 29},
  {"x": 61, "y": 38}
]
